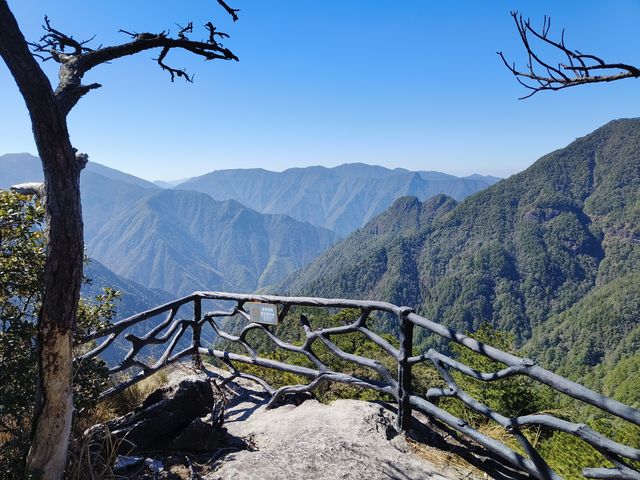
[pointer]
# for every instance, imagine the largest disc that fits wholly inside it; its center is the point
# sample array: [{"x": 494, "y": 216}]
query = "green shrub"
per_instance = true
[{"x": 22, "y": 255}]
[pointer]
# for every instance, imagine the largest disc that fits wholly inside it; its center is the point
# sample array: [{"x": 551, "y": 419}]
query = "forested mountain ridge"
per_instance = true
[
  {"x": 376, "y": 261},
  {"x": 517, "y": 254},
  {"x": 341, "y": 198}
]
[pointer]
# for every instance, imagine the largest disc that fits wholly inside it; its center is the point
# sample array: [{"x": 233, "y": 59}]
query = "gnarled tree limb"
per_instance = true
[
  {"x": 76, "y": 58},
  {"x": 575, "y": 68}
]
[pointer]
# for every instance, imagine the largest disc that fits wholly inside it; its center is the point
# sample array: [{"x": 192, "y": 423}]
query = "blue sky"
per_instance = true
[{"x": 413, "y": 84}]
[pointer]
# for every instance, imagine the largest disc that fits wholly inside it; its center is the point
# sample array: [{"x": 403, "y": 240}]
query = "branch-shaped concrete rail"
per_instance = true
[{"x": 170, "y": 330}]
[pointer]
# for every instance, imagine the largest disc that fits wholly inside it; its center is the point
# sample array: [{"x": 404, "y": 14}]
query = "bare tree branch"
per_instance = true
[
  {"x": 576, "y": 68},
  {"x": 231, "y": 11},
  {"x": 173, "y": 71},
  {"x": 76, "y": 58}
]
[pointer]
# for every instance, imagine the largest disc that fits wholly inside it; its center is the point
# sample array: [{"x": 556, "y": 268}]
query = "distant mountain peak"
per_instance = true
[
  {"x": 341, "y": 198},
  {"x": 408, "y": 214}
]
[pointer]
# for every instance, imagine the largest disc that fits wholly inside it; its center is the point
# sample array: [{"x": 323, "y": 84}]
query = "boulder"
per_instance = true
[{"x": 185, "y": 416}]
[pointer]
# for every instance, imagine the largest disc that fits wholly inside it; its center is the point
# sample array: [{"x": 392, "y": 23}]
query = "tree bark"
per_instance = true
[{"x": 63, "y": 267}]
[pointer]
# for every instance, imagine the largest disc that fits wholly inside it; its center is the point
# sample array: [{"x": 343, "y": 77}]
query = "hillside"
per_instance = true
[
  {"x": 22, "y": 167},
  {"x": 134, "y": 299},
  {"x": 180, "y": 241},
  {"x": 371, "y": 262},
  {"x": 342, "y": 198},
  {"x": 519, "y": 254},
  {"x": 105, "y": 191},
  {"x": 597, "y": 340}
]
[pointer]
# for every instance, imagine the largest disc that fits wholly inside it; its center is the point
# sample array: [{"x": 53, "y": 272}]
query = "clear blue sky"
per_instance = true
[{"x": 414, "y": 84}]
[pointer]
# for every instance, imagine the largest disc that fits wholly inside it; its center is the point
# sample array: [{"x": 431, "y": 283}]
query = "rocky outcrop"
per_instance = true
[
  {"x": 178, "y": 417},
  {"x": 347, "y": 439},
  {"x": 177, "y": 437}
]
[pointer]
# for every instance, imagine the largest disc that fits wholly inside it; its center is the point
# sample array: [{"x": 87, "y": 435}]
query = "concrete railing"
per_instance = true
[{"x": 182, "y": 337}]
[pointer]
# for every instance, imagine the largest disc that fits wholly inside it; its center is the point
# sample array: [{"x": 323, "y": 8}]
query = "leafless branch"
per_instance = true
[
  {"x": 184, "y": 30},
  {"x": 576, "y": 68},
  {"x": 76, "y": 58},
  {"x": 58, "y": 42},
  {"x": 231, "y": 11},
  {"x": 213, "y": 33},
  {"x": 172, "y": 71}
]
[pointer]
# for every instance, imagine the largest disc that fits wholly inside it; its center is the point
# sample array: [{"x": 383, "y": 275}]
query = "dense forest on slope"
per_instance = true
[
  {"x": 342, "y": 198},
  {"x": 378, "y": 260},
  {"x": 597, "y": 340},
  {"x": 539, "y": 254}
]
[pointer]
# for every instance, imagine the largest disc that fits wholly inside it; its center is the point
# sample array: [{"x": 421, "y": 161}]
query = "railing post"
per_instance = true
[
  {"x": 197, "y": 316},
  {"x": 403, "y": 421}
]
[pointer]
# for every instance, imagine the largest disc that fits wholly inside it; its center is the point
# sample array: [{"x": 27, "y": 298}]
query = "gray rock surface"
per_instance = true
[{"x": 348, "y": 439}]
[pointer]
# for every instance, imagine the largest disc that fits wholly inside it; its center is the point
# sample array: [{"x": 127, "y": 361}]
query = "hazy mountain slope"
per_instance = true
[
  {"x": 24, "y": 167},
  {"x": 134, "y": 299},
  {"x": 19, "y": 168},
  {"x": 342, "y": 198},
  {"x": 450, "y": 185},
  {"x": 515, "y": 254},
  {"x": 181, "y": 241},
  {"x": 105, "y": 191},
  {"x": 169, "y": 184},
  {"x": 117, "y": 175},
  {"x": 104, "y": 198}
]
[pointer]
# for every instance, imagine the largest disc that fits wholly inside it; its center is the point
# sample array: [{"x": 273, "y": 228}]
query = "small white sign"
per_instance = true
[{"x": 265, "y": 313}]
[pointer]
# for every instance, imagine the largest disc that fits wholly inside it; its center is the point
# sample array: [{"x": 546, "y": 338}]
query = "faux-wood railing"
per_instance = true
[{"x": 172, "y": 332}]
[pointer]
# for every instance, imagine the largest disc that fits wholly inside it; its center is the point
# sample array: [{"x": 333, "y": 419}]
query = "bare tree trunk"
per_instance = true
[
  {"x": 63, "y": 268},
  {"x": 62, "y": 279}
]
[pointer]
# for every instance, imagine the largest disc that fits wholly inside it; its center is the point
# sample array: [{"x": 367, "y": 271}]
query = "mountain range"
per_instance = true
[
  {"x": 341, "y": 199},
  {"x": 551, "y": 254},
  {"x": 180, "y": 241}
]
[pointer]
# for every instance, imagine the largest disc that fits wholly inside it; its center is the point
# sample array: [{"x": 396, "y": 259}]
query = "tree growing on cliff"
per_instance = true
[{"x": 62, "y": 165}]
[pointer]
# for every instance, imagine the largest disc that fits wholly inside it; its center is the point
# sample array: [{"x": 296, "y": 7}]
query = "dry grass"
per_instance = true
[
  {"x": 122, "y": 403},
  {"x": 447, "y": 461},
  {"x": 5, "y": 437},
  {"x": 133, "y": 396},
  {"x": 94, "y": 456},
  {"x": 101, "y": 413}
]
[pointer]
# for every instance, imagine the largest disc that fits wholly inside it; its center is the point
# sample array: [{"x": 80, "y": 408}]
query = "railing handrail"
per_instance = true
[{"x": 401, "y": 389}]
